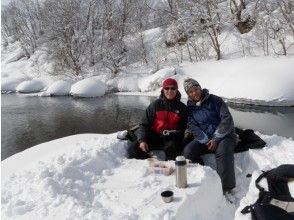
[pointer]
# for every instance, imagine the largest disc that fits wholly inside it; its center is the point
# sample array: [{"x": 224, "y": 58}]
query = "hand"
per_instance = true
[
  {"x": 212, "y": 145},
  {"x": 144, "y": 146}
]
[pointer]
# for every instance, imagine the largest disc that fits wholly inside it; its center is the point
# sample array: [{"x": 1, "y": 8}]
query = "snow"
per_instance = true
[
  {"x": 127, "y": 84},
  {"x": 10, "y": 83},
  {"x": 259, "y": 80},
  {"x": 251, "y": 80},
  {"x": 256, "y": 80},
  {"x": 88, "y": 88},
  {"x": 30, "y": 86},
  {"x": 59, "y": 87},
  {"x": 155, "y": 80},
  {"x": 87, "y": 176}
]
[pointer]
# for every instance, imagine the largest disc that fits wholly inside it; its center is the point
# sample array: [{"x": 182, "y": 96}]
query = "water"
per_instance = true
[{"x": 27, "y": 120}]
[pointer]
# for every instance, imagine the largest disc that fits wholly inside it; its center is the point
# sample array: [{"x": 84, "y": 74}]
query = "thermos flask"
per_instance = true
[{"x": 181, "y": 172}]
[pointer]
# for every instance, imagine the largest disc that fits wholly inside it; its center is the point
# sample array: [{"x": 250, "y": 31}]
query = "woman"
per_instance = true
[
  {"x": 163, "y": 125},
  {"x": 212, "y": 126}
]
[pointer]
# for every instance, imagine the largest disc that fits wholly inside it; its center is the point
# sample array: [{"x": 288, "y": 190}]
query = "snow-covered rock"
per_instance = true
[
  {"x": 27, "y": 86},
  {"x": 88, "y": 88},
  {"x": 10, "y": 84},
  {"x": 59, "y": 87},
  {"x": 154, "y": 81}
]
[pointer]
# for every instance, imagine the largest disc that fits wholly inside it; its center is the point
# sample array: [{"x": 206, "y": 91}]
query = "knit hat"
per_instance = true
[
  {"x": 169, "y": 82},
  {"x": 189, "y": 83}
]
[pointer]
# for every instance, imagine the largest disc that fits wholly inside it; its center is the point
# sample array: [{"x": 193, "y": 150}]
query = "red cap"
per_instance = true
[{"x": 169, "y": 82}]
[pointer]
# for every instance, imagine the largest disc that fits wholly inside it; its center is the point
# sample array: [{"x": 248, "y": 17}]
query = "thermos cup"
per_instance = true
[{"x": 181, "y": 172}]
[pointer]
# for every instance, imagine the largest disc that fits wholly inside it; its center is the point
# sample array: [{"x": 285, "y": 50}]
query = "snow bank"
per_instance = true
[
  {"x": 128, "y": 84},
  {"x": 260, "y": 80},
  {"x": 88, "y": 88},
  {"x": 27, "y": 86},
  {"x": 59, "y": 87},
  {"x": 154, "y": 81},
  {"x": 87, "y": 177},
  {"x": 10, "y": 83}
]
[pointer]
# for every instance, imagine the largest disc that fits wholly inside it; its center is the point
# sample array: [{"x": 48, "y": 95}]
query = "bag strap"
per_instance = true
[
  {"x": 264, "y": 174},
  {"x": 262, "y": 193}
]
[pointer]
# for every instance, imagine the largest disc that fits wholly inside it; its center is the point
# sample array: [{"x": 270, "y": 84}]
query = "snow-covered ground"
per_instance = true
[{"x": 88, "y": 177}]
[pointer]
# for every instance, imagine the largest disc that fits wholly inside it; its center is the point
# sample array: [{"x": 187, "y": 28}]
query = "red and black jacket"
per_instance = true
[{"x": 163, "y": 114}]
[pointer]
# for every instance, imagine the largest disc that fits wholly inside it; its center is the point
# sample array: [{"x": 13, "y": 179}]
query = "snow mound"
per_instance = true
[
  {"x": 59, "y": 87},
  {"x": 88, "y": 177},
  {"x": 88, "y": 88},
  {"x": 154, "y": 81},
  {"x": 128, "y": 84},
  {"x": 27, "y": 86},
  {"x": 10, "y": 84}
]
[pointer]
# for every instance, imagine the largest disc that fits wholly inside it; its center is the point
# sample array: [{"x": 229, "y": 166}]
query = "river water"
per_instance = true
[{"x": 30, "y": 120}]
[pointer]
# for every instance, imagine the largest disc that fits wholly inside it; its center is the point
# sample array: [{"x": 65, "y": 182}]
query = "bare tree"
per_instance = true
[
  {"x": 22, "y": 20},
  {"x": 244, "y": 20}
]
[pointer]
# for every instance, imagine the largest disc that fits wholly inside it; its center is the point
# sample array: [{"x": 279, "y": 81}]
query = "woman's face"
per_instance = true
[
  {"x": 170, "y": 92},
  {"x": 195, "y": 93}
]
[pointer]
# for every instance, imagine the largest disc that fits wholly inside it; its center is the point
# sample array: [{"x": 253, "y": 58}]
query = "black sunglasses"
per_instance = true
[{"x": 169, "y": 88}]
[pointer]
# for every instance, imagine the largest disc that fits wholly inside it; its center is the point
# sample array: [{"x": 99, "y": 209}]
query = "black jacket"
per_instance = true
[{"x": 163, "y": 114}]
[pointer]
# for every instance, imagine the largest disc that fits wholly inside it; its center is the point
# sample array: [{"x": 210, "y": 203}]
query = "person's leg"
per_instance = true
[
  {"x": 194, "y": 150},
  {"x": 135, "y": 152},
  {"x": 170, "y": 149},
  {"x": 225, "y": 162}
]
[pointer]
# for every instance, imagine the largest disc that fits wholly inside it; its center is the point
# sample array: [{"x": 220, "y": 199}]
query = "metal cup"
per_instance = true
[{"x": 167, "y": 196}]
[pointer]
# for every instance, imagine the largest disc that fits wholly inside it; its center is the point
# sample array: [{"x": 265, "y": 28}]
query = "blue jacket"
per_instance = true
[{"x": 209, "y": 119}]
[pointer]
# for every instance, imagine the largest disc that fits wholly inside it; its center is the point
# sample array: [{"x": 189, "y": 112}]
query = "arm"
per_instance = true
[
  {"x": 196, "y": 130},
  {"x": 226, "y": 125},
  {"x": 183, "y": 122},
  {"x": 146, "y": 123}
]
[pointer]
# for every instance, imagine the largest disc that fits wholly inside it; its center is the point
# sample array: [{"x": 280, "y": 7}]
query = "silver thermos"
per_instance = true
[{"x": 181, "y": 172}]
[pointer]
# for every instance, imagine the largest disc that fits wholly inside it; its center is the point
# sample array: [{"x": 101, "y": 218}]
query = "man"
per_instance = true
[
  {"x": 213, "y": 129},
  {"x": 163, "y": 125}
]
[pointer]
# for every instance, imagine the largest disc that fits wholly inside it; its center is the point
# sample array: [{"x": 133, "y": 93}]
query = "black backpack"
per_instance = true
[
  {"x": 247, "y": 139},
  {"x": 277, "y": 203}
]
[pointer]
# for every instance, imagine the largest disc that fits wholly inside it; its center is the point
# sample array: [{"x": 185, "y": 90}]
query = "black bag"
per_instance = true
[
  {"x": 277, "y": 203},
  {"x": 247, "y": 139}
]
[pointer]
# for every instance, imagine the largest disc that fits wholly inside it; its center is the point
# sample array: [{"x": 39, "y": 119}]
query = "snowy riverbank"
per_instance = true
[
  {"x": 256, "y": 80},
  {"x": 87, "y": 177}
]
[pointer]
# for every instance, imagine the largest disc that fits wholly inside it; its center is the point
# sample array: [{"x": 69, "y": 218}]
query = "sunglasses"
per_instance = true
[{"x": 170, "y": 88}]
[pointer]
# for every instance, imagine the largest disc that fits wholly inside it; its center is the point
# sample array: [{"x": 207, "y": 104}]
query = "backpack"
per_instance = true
[
  {"x": 277, "y": 203},
  {"x": 248, "y": 139}
]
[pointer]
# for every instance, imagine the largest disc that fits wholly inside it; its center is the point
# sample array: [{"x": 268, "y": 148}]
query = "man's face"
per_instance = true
[
  {"x": 195, "y": 93},
  {"x": 170, "y": 92}
]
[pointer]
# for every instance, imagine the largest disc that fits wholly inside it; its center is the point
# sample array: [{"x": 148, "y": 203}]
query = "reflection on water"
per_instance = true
[
  {"x": 267, "y": 120},
  {"x": 27, "y": 121}
]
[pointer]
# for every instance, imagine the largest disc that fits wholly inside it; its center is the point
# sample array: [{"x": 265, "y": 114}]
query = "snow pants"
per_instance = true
[
  {"x": 224, "y": 155},
  {"x": 169, "y": 144}
]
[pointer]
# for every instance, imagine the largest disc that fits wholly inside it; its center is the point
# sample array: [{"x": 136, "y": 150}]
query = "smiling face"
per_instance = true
[
  {"x": 170, "y": 92},
  {"x": 195, "y": 93}
]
